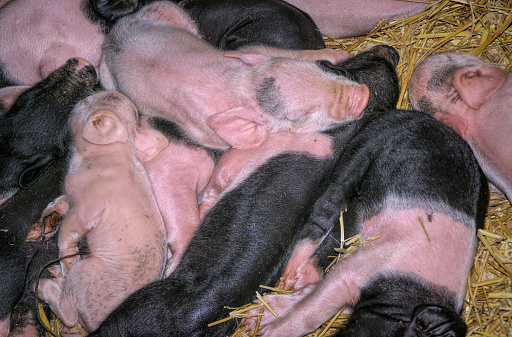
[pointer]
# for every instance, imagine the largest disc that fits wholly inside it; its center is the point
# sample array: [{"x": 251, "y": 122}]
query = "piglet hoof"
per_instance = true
[
  {"x": 51, "y": 218},
  {"x": 45, "y": 227},
  {"x": 436, "y": 321},
  {"x": 297, "y": 277}
]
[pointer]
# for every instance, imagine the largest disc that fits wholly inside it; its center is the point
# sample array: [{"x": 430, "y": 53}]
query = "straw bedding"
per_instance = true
[{"x": 483, "y": 28}]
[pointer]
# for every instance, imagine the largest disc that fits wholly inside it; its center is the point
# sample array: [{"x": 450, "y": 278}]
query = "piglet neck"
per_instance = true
[
  {"x": 237, "y": 79},
  {"x": 116, "y": 151}
]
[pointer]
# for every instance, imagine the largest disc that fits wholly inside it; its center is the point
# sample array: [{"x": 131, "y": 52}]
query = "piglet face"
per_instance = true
[
  {"x": 104, "y": 118},
  {"x": 300, "y": 96}
]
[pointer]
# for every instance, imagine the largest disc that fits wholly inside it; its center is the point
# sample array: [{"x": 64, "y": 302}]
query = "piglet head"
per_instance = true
[
  {"x": 104, "y": 118},
  {"x": 454, "y": 88},
  {"x": 288, "y": 94},
  {"x": 297, "y": 95}
]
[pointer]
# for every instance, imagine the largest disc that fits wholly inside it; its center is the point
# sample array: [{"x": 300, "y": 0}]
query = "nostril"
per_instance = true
[
  {"x": 81, "y": 63},
  {"x": 89, "y": 70},
  {"x": 83, "y": 67}
]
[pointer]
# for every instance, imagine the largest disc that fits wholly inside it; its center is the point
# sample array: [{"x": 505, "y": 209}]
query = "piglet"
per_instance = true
[
  {"x": 474, "y": 98},
  {"x": 111, "y": 206},
  {"x": 415, "y": 194},
  {"x": 231, "y": 24},
  {"x": 34, "y": 131},
  {"x": 235, "y": 99},
  {"x": 246, "y": 238},
  {"x": 235, "y": 165},
  {"x": 178, "y": 175},
  {"x": 36, "y": 110},
  {"x": 42, "y": 35},
  {"x": 342, "y": 18}
]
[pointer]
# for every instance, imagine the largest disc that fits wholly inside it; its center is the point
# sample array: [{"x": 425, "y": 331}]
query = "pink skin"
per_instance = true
[
  {"x": 237, "y": 164},
  {"x": 168, "y": 71},
  {"x": 341, "y": 18},
  {"x": 8, "y": 96},
  {"x": 301, "y": 269},
  {"x": 178, "y": 174},
  {"x": 4, "y": 326},
  {"x": 478, "y": 107},
  {"x": 112, "y": 204},
  {"x": 43, "y": 35},
  {"x": 29, "y": 330},
  {"x": 401, "y": 247}
]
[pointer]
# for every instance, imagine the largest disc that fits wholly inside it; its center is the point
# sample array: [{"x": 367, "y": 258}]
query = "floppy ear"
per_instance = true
[
  {"x": 171, "y": 14},
  {"x": 33, "y": 170},
  {"x": 242, "y": 127},
  {"x": 149, "y": 143},
  {"x": 457, "y": 123},
  {"x": 104, "y": 127},
  {"x": 477, "y": 84},
  {"x": 9, "y": 95},
  {"x": 251, "y": 59}
]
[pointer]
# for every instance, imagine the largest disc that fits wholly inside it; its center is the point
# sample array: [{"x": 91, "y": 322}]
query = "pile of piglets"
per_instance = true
[{"x": 160, "y": 162}]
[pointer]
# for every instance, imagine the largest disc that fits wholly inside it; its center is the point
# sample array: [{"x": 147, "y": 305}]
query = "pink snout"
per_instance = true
[{"x": 351, "y": 103}]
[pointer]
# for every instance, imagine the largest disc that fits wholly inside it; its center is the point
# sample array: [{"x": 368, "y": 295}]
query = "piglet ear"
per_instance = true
[
  {"x": 457, "y": 123},
  {"x": 34, "y": 168},
  {"x": 248, "y": 58},
  {"x": 358, "y": 100},
  {"x": 104, "y": 127},
  {"x": 242, "y": 128},
  {"x": 477, "y": 84},
  {"x": 149, "y": 143},
  {"x": 8, "y": 96},
  {"x": 171, "y": 14}
]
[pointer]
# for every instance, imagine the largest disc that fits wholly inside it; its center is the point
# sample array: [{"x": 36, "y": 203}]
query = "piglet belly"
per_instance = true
[{"x": 431, "y": 245}]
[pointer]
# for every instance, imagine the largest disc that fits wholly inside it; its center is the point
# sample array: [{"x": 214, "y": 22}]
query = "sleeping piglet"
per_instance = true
[
  {"x": 34, "y": 130},
  {"x": 222, "y": 99},
  {"x": 414, "y": 192},
  {"x": 475, "y": 99},
  {"x": 342, "y": 18},
  {"x": 109, "y": 203},
  {"x": 178, "y": 175},
  {"x": 39, "y": 36}
]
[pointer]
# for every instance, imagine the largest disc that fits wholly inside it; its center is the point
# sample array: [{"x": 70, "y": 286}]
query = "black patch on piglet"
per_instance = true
[
  {"x": 375, "y": 68},
  {"x": 435, "y": 321},
  {"x": 35, "y": 132},
  {"x": 175, "y": 134},
  {"x": 404, "y": 305}
]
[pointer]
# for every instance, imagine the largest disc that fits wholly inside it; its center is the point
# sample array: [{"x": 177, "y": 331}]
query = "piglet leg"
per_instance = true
[
  {"x": 50, "y": 291},
  {"x": 4, "y": 326},
  {"x": 301, "y": 269},
  {"x": 51, "y": 218}
]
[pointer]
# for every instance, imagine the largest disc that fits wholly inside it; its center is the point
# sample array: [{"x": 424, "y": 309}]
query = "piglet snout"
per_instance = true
[
  {"x": 351, "y": 102},
  {"x": 83, "y": 67}
]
